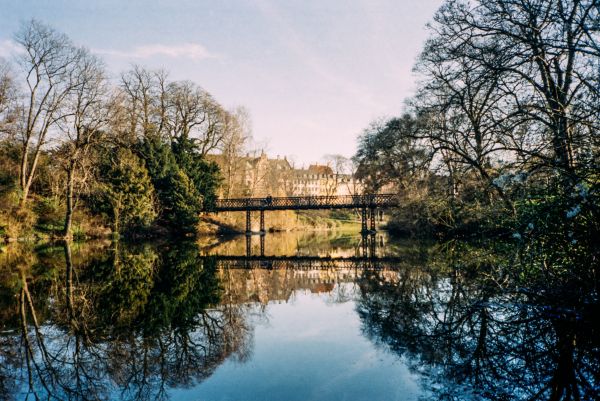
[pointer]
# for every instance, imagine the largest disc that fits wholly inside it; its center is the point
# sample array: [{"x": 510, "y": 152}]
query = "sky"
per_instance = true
[{"x": 312, "y": 73}]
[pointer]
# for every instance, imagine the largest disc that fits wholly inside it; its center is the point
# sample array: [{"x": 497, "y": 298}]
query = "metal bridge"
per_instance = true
[{"x": 366, "y": 203}]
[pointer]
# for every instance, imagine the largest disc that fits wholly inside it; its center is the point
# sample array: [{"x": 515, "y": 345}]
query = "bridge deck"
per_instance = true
[{"x": 306, "y": 202}]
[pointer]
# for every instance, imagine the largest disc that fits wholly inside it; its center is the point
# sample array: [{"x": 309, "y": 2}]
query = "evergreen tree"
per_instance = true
[
  {"x": 181, "y": 203},
  {"x": 204, "y": 174},
  {"x": 160, "y": 160},
  {"x": 126, "y": 192},
  {"x": 183, "y": 180}
]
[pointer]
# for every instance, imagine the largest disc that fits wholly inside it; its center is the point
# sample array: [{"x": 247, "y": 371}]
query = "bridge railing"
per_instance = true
[{"x": 305, "y": 202}]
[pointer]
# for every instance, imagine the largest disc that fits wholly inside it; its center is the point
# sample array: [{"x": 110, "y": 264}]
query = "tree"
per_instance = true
[
  {"x": 204, "y": 175},
  {"x": 145, "y": 101},
  {"x": 389, "y": 153},
  {"x": 87, "y": 115},
  {"x": 342, "y": 172},
  {"x": 543, "y": 56},
  {"x": 185, "y": 183},
  {"x": 237, "y": 133},
  {"x": 460, "y": 106},
  {"x": 192, "y": 113},
  {"x": 8, "y": 100},
  {"x": 126, "y": 192},
  {"x": 48, "y": 61}
]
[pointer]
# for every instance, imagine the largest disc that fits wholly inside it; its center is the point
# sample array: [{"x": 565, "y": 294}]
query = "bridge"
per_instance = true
[{"x": 366, "y": 203}]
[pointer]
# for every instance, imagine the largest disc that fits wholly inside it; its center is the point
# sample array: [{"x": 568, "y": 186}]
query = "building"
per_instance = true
[
  {"x": 258, "y": 176},
  {"x": 321, "y": 180}
]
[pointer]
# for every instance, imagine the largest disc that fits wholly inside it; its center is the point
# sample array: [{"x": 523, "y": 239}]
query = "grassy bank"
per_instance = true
[
  {"x": 43, "y": 218},
  {"x": 280, "y": 221}
]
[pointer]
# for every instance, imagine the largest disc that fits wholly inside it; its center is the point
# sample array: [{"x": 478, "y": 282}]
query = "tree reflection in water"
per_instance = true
[
  {"x": 125, "y": 323},
  {"x": 474, "y": 336},
  {"x": 109, "y": 321}
]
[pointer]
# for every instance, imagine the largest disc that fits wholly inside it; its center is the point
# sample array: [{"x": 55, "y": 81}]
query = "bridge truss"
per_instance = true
[{"x": 366, "y": 203}]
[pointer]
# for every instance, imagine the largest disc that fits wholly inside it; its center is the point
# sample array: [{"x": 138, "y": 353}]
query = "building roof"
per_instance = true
[
  {"x": 280, "y": 164},
  {"x": 320, "y": 169}
]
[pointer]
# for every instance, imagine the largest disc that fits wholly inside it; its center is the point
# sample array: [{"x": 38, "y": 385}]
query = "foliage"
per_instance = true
[
  {"x": 388, "y": 153},
  {"x": 158, "y": 157},
  {"x": 507, "y": 109},
  {"x": 161, "y": 129},
  {"x": 126, "y": 192},
  {"x": 203, "y": 174},
  {"x": 50, "y": 212},
  {"x": 185, "y": 183},
  {"x": 182, "y": 202},
  {"x": 558, "y": 233}
]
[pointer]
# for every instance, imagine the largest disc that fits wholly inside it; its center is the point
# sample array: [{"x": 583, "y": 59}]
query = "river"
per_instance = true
[{"x": 287, "y": 316}]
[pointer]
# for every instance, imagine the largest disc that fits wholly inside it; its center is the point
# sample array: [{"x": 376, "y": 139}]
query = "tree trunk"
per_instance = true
[
  {"x": 23, "y": 170},
  {"x": 70, "y": 202},
  {"x": 27, "y": 178},
  {"x": 69, "y": 281}
]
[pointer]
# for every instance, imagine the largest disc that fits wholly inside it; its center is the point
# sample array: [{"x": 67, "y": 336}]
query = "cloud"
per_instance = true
[
  {"x": 9, "y": 48},
  {"x": 193, "y": 51}
]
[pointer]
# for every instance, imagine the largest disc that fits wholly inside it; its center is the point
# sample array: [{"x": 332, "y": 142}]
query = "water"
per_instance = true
[
  {"x": 316, "y": 316},
  {"x": 309, "y": 347}
]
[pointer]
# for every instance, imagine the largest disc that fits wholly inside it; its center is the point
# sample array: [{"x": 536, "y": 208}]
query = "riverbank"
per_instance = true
[
  {"x": 43, "y": 220},
  {"x": 278, "y": 221}
]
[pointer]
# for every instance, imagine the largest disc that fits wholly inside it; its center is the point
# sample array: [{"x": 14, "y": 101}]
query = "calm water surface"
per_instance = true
[{"x": 294, "y": 317}]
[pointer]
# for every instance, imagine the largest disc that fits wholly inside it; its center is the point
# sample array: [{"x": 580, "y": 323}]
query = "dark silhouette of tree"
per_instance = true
[{"x": 469, "y": 332}]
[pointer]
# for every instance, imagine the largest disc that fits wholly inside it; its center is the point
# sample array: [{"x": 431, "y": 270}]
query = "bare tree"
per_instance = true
[
  {"x": 8, "y": 100},
  {"x": 389, "y": 153},
  {"x": 88, "y": 113},
  {"x": 48, "y": 61},
  {"x": 340, "y": 167},
  {"x": 543, "y": 57},
  {"x": 353, "y": 185},
  {"x": 193, "y": 113},
  {"x": 237, "y": 132},
  {"x": 258, "y": 175},
  {"x": 145, "y": 99}
]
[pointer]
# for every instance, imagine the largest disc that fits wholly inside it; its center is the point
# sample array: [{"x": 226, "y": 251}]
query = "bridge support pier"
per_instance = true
[
  {"x": 262, "y": 222},
  {"x": 368, "y": 219},
  {"x": 364, "y": 245},
  {"x": 369, "y": 245},
  {"x": 373, "y": 246},
  {"x": 372, "y": 218},
  {"x": 248, "y": 222},
  {"x": 363, "y": 220}
]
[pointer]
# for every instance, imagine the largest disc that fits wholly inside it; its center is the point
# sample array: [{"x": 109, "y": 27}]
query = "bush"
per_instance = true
[
  {"x": 15, "y": 222},
  {"x": 51, "y": 214}
]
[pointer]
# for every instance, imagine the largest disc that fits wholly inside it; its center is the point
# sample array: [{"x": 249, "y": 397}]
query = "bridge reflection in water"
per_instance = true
[
  {"x": 365, "y": 257},
  {"x": 307, "y": 262},
  {"x": 366, "y": 248}
]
